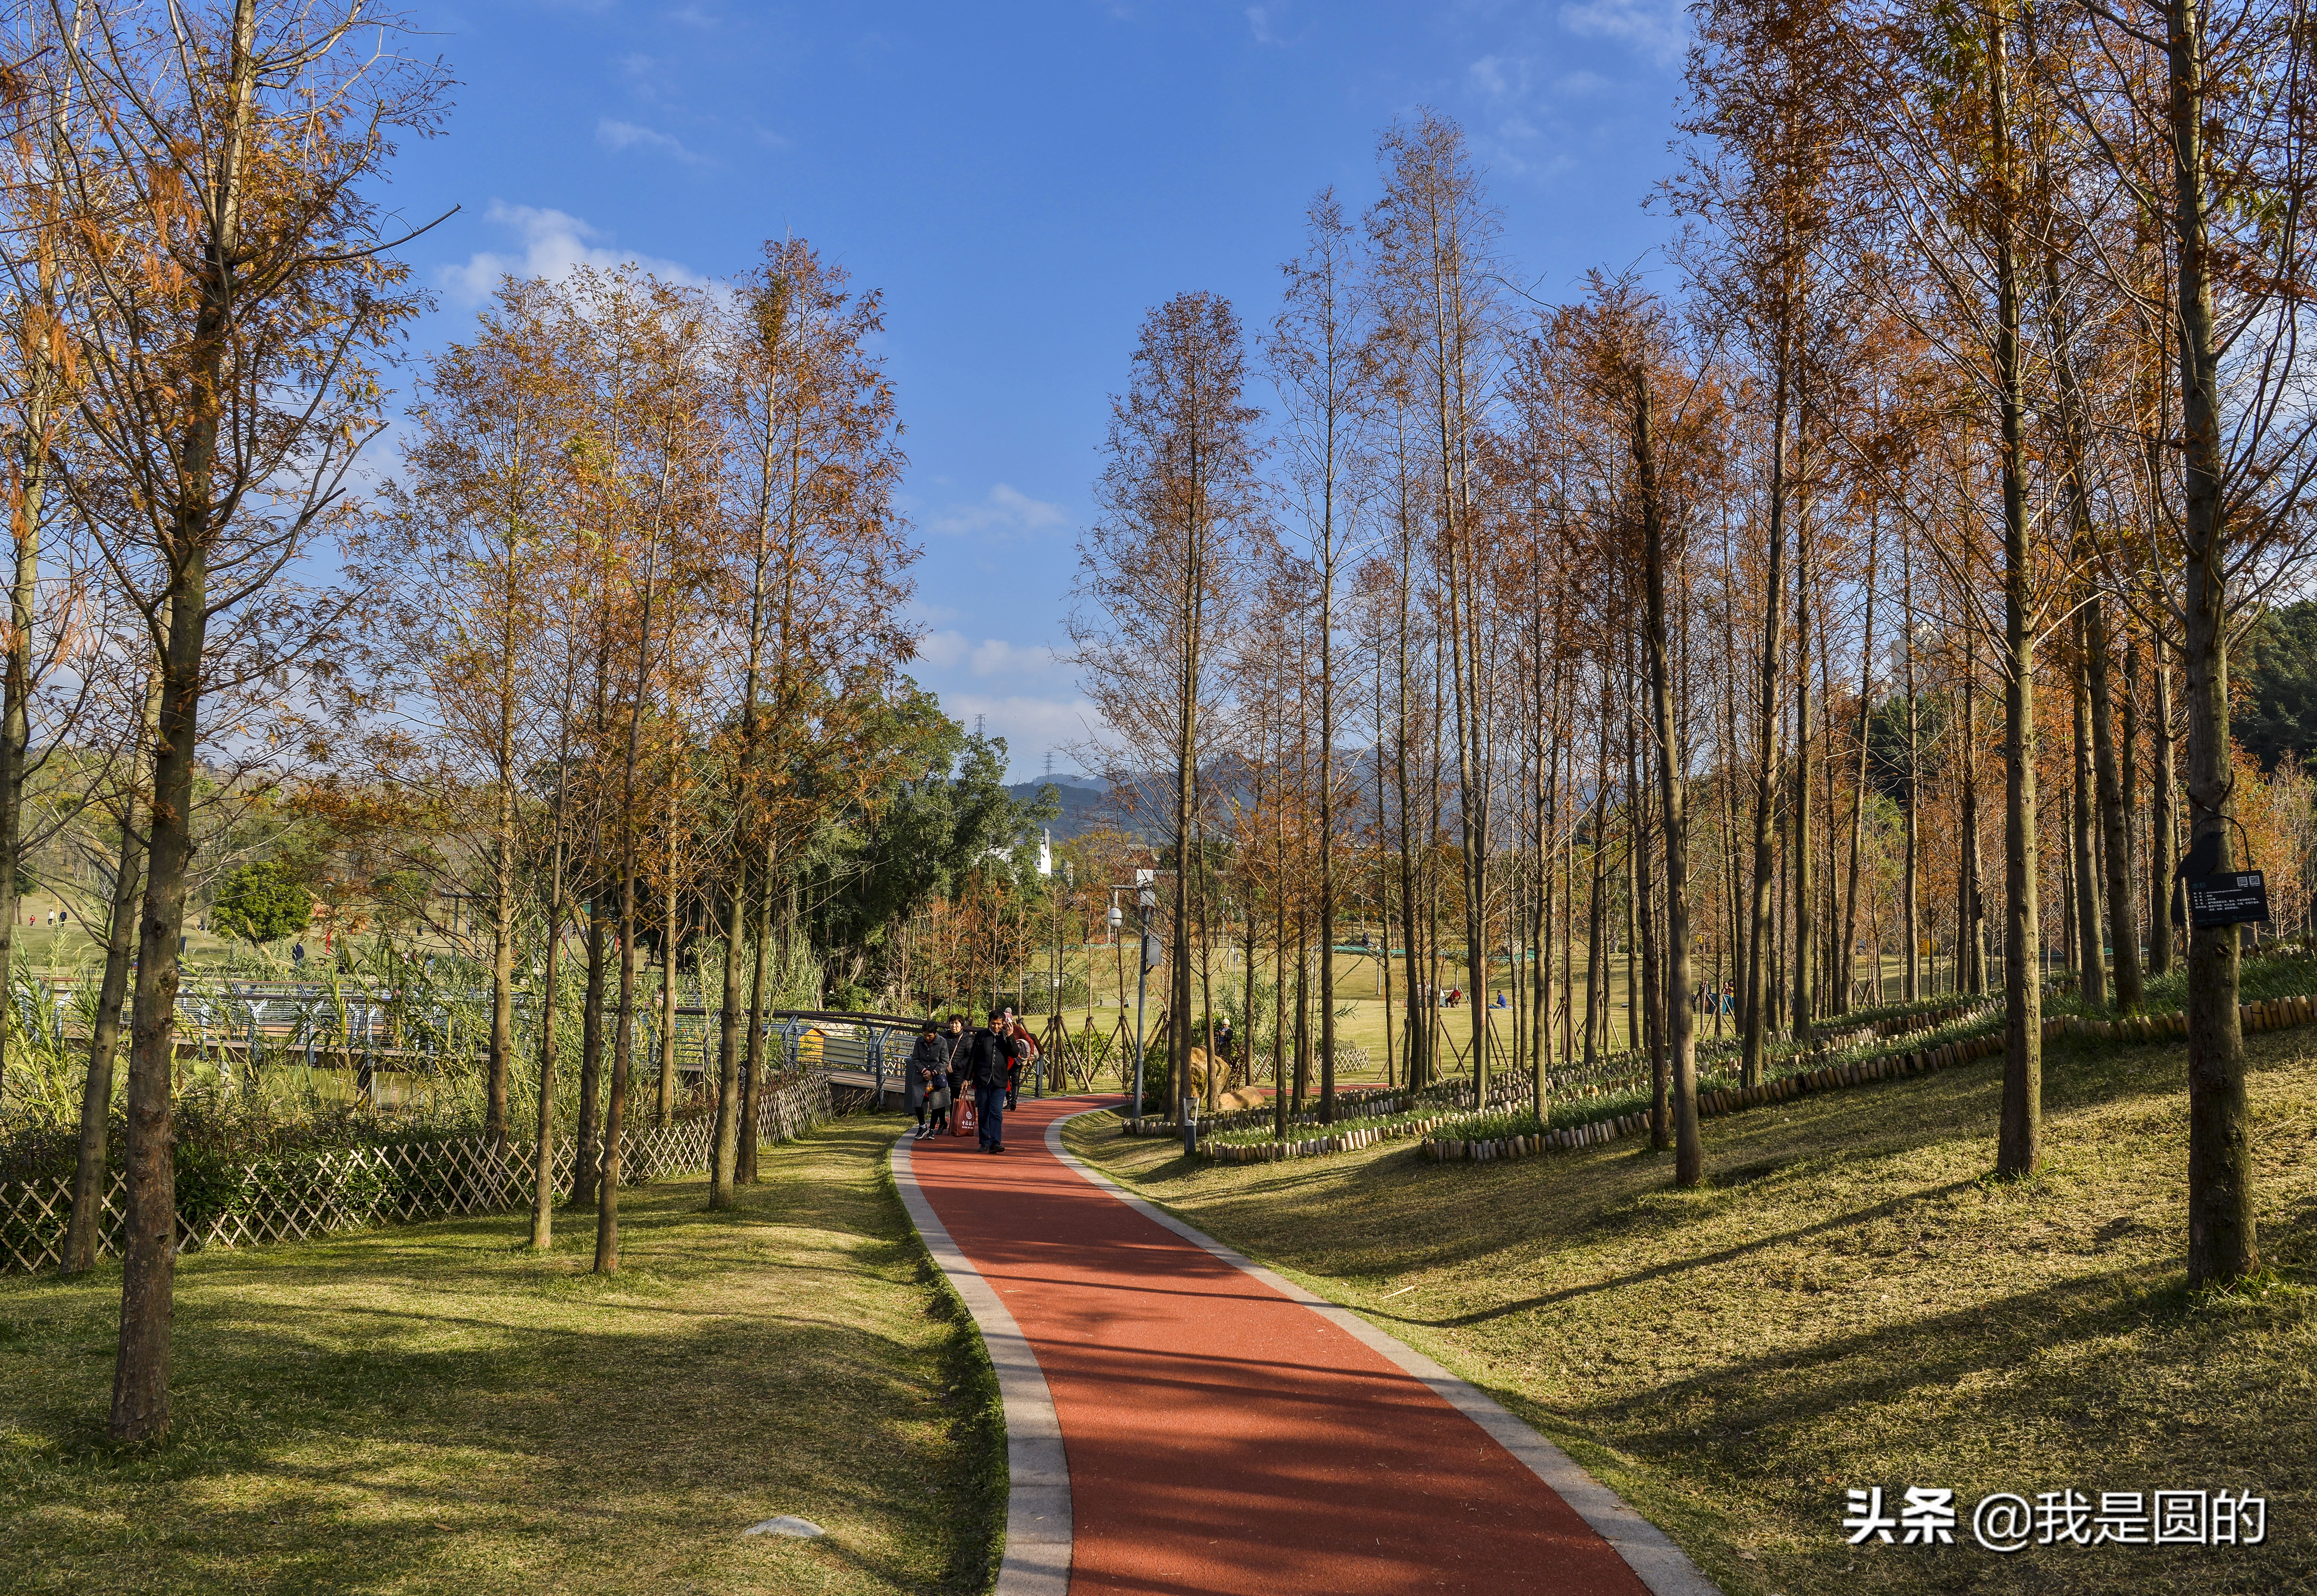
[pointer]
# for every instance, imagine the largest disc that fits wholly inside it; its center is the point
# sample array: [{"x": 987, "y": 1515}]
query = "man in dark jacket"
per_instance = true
[{"x": 991, "y": 1050}]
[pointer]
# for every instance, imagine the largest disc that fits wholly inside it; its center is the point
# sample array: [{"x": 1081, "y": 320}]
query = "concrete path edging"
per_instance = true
[
  {"x": 1659, "y": 1565},
  {"x": 1037, "y": 1560}
]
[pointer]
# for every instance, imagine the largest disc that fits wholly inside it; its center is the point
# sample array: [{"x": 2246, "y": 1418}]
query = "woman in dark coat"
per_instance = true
[
  {"x": 953, "y": 1040},
  {"x": 927, "y": 1086}
]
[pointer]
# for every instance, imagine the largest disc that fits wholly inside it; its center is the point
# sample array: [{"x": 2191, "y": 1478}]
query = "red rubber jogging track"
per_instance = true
[{"x": 1222, "y": 1438}]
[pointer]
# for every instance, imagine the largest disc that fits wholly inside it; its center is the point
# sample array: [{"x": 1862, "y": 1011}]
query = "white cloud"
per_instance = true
[
  {"x": 1260, "y": 22},
  {"x": 1529, "y": 123},
  {"x": 1500, "y": 76},
  {"x": 943, "y": 649},
  {"x": 1653, "y": 27},
  {"x": 1030, "y": 725},
  {"x": 995, "y": 656},
  {"x": 1515, "y": 78},
  {"x": 617, "y": 136},
  {"x": 947, "y": 650},
  {"x": 1007, "y": 509},
  {"x": 553, "y": 242}
]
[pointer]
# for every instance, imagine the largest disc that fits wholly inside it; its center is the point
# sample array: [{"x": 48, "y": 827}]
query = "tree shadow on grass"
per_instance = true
[
  {"x": 455, "y": 1425},
  {"x": 1683, "y": 1265},
  {"x": 2119, "y": 1380},
  {"x": 1473, "y": 1214}
]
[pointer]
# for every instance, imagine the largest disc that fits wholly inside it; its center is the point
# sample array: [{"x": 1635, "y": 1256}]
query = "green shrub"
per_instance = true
[{"x": 262, "y": 903}]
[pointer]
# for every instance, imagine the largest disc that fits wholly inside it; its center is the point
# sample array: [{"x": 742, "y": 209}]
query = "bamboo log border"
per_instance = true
[{"x": 2269, "y": 1014}]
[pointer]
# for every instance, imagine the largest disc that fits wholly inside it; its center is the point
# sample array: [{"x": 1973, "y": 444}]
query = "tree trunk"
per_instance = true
[
  {"x": 588, "y": 1149},
  {"x": 2071, "y": 957},
  {"x": 1638, "y": 996},
  {"x": 1803, "y": 887},
  {"x": 664, "y": 1103},
  {"x": 2127, "y": 759},
  {"x": 2163, "y": 819},
  {"x": 1673, "y": 805},
  {"x": 615, "y": 1108},
  {"x": 1849, "y": 959},
  {"x": 1912, "y": 910},
  {"x": 16, "y": 683},
  {"x": 1178, "y": 973},
  {"x": 1302, "y": 1011},
  {"x": 1421, "y": 1071},
  {"x": 85, "y": 1230},
  {"x": 1187, "y": 775},
  {"x": 1384, "y": 901},
  {"x": 543, "y": 1199},
  {"x": 1596, "y": 963},
  {"x": 141, "y": 1373},
  {"x": 503, "y": 877},
  {"x": 615, "y": 1105},
  {"x": 2092, "y": 964},
  {"x": 728, "y": 1044},
  {"x": 1569, "y": 927},
  {"x": 1755, "y": 982},
  {"x": 1246, "y": 1048},
  {"x": 1730, "y": 955},
  {"x": 1281, "y": 1092},
  {"x": 2020, "y": 1144},
  {"x": 1206, "y": 980},
  {"x": 1781, "y": 925},
  {"x": 1971, "y": 935},
  {"x": 758, "y": 1068},
  {"x": 140, "y": 1381},
  {"x": 1548, "y": 826},
  {"x": 2222, "y": 1245},
  {"x": 1328, "y": 816}
]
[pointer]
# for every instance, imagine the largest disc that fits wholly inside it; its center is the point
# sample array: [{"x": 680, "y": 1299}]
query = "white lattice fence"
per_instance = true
[{"x": 300, "y": 1196}]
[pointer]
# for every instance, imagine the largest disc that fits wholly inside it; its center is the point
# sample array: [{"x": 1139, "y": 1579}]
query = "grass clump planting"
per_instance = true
[
  {"x": 1568, "y": 1109},
  {"x": 1307, "y": 1126},
  {"x": 433, "y": 1407},
  {"x": 1852, "y": 1300}
]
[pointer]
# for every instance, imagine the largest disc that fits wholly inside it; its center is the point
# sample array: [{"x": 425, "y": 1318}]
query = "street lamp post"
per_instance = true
[{"x": 1146, "y": 899}]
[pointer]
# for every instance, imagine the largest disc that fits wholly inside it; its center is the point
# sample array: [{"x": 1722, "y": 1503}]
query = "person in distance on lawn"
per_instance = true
[
  {"x": 991, "y": 1049},
  {"x": 929, "y": 1073}
]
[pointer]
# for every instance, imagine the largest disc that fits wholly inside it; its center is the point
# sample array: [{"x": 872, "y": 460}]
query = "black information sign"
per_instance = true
[{"x": 2230, "y": 898}]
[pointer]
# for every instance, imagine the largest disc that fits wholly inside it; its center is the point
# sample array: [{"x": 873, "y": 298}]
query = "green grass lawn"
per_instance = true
[
  {"x": 1360, "y": 1019},
  {"x": 1851, "y": 1302},
  {"x": 432, "y": 1408}
]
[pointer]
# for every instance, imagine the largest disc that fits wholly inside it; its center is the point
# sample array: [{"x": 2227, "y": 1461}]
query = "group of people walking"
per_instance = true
[{"x": 987, "y": 1061}]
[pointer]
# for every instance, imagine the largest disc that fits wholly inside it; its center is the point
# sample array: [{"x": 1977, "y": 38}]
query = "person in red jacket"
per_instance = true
[{"x": 1025, "y": 1050}]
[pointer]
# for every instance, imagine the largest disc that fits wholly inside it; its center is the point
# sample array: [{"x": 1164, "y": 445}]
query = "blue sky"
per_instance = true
[{"x": 1023, "y": 182}]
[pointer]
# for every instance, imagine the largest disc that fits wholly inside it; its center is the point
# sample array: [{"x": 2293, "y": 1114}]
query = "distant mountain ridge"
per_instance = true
[{"x": 1082, "y": 800}]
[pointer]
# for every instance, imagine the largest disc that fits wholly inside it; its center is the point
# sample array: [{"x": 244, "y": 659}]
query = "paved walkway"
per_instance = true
[{"x": 1181, "y": 1422}]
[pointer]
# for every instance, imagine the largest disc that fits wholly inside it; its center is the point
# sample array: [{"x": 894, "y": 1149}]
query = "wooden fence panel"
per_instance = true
[{"x": 296, "y": 1196}]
